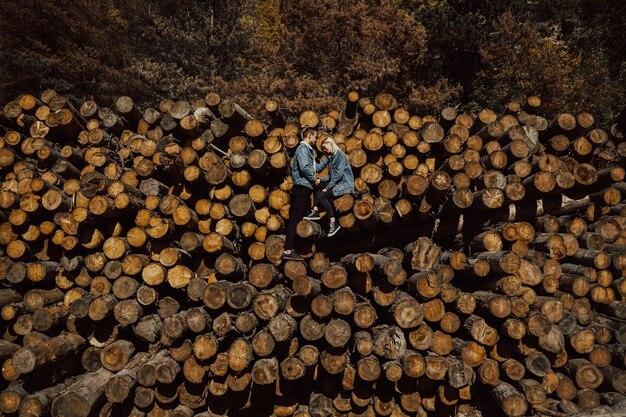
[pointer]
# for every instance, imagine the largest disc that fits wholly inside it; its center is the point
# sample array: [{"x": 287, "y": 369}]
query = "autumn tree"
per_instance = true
[
  {"x": 75, "y": 47},
  {"x": 596, "y": 32},
  {"x": 183, "y": 45},
  {"x": 517, "y": 60},
  {"x": 454, "y": 32},
  {"x": 307, "y": 52},
  {"x": 103, "y": 49}
]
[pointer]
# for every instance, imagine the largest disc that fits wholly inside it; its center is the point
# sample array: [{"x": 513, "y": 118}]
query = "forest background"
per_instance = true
[{"x": 308, "y": 53}]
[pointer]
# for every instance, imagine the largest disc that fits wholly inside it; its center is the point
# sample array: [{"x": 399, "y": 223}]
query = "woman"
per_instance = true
[{"x": 338, "y": 182}]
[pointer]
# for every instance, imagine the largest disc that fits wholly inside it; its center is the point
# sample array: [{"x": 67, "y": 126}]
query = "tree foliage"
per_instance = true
[
  {"x": 308, "y": 53},
  {"x": 305, "y": 53},
  {"x": 517, "y": 60}
]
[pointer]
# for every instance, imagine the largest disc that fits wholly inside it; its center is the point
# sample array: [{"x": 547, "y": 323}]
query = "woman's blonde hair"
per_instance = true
[{"x": 332, "y": 142}]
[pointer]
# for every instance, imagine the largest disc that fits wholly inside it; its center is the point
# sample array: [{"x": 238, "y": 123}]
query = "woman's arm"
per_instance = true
[
  {"x": 337, "y": 171},
  {"x": 322, "y": 164}
]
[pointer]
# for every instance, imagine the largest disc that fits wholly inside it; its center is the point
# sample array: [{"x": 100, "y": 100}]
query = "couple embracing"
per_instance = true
[{"x": 338, "y": 182}]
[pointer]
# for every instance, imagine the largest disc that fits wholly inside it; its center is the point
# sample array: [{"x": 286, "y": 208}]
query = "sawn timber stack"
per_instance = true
[{"x": 479, "y": 270}]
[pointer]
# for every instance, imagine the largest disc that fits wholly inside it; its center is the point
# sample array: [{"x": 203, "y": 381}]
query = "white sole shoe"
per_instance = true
[{"x": 334, "y": 232}]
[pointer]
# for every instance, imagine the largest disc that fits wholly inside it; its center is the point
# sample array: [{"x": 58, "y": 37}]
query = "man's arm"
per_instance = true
[{"x": 305, "y": 164}]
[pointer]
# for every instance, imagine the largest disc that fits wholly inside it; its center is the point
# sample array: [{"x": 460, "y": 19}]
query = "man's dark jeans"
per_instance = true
[{"x": 300, "y": 202}]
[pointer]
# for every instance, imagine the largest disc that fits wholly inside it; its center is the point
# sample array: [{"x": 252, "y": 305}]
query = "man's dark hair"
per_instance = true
[{"x": 307, "y": 131}]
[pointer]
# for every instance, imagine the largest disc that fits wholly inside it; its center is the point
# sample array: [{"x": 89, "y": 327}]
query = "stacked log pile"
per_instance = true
[{"x": 482, "y": 262}]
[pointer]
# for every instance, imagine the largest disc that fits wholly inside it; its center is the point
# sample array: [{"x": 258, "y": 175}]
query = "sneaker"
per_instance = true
[
  {"x": 334, "y": 228},
  {"x": 313, "y": 215},
  {"x": 293, "y": 256}
]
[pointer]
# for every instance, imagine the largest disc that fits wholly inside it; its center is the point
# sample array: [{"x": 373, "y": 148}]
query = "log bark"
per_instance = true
[
  {"x": 511, "y": 401},
  {"x": 81, "y": 397},
  {"x": 30, "y": 358},
  {"x": 119, "y": 387}
]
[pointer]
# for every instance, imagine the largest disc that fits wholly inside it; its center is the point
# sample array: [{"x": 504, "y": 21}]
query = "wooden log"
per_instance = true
[
  {"x": 389, "y": 342},
  {"x": 7, "y": 349},
  {"x": 265, "y": 371},
  {"x": 240, "y": 296},
  {"x": 8, "y": 296},
  {"x": 306, "y": 286},
  {"x": 585, "y": 373},
  {"x": 511, "y": 401},
  {"x": 534, "y": 392},
  {"x": 119, "y": 387},
  {"x": 424, "y": 255},
  {"x": 38, "y": 403},
  {"x": 407, "y": 312},
  {"x": 263, "y": 275},
  {"x": 144, "y": 397},
  {"x": 174, "y": 326},
  {"x": 459, "y": 373},
  {"x": 311, "y": 329},
  {"x": 80, "y": 397},
  {"x": 337, "y": 333},
  {"x": 90, "y": 359},
  {"x": 492, "y": 304},
  {"x": 102, "y": 307},
  {"x": 282, "y": 327},
  {"x": 205, "y": 346},
  {"x": 148, "y": 328},
  {"x": 268, "y": 303},
  {"x": 344, "y": 301},
  {"x": 11, "y": 398},
  {"x": 116, "y": 355},
  {"x": 30, "y": 358},
  {"x": 334, "y": 276},
  {"x": 615, "y": 378},
  {"x": 505, "y": 262},
  {"x": 45, "y": 319},
  {"x": 480, "y": 330}
]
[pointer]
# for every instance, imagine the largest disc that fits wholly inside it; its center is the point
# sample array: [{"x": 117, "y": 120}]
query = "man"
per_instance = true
[{"x": 303, "y": 176}]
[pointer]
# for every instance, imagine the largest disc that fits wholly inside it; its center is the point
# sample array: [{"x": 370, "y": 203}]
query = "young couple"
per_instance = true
[{"x": 339, "y": 181}]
